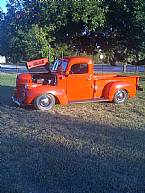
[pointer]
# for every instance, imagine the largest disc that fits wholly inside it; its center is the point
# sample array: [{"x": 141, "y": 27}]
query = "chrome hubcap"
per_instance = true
[
  {"x": 120, "y": 96},
  {"x": 44, "y": 102}
]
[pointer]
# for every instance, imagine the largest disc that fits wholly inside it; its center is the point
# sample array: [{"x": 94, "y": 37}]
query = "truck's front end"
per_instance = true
[
  {"x": 38, "y": 82},
  {"x": 21, "y": 90},
  {"x": 26, "y": 82}
]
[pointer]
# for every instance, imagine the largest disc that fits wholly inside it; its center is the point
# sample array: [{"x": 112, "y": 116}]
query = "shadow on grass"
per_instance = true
[
  {"x": 52, "y": 153},
  {"x": 6, "y": 93}
]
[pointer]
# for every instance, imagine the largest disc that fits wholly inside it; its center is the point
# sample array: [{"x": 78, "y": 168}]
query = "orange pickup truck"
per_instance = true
[{"x": 70, "y": 80}]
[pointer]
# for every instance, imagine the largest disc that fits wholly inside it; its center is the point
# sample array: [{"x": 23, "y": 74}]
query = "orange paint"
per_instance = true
[{"x": 71, "y": 79}]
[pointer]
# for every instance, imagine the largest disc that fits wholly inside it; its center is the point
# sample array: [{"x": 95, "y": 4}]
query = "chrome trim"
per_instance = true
[
  {"x": 16, "y": 101},
  {"x": 89, "y": 101}
]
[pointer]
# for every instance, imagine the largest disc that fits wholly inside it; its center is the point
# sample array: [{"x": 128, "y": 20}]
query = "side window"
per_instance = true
[{"x": 79, "y": 69}]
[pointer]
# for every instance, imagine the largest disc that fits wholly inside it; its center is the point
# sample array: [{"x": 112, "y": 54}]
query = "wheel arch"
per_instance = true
[
  {"x": 111, "y": 88},
  {"x": 59, "y": 95}
]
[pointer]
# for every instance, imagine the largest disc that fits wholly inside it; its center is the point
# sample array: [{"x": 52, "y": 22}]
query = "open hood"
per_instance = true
[{"x": 39, "y": 65}]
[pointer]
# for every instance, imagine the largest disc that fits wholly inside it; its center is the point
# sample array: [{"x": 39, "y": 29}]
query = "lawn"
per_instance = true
[{"x": 82, "y": 148}]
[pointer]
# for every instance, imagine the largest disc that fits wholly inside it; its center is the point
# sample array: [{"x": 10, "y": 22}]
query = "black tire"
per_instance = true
[
  {"x": 120, "y": 96},
  {"x": 44, "y": 102}
]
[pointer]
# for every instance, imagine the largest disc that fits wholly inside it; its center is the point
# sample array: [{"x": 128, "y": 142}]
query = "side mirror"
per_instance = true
[{"x": 67, "y": 73}]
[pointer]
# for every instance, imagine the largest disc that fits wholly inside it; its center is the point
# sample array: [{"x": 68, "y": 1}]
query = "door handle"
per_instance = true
[{"x": 90, "y": 77}]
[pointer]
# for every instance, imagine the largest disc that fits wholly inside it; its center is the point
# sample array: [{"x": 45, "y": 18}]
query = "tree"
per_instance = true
[
  {"x": 37, "y": 42},
  {"x": 125, "y": 28},
  {"x": 20, "y": 38},
  {"x": 117, "y": 27},
  {"x": 76, "y": 20}
]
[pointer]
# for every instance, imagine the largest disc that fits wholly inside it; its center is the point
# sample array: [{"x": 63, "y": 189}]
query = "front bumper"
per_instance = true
[{"x": 16, "y": 101}]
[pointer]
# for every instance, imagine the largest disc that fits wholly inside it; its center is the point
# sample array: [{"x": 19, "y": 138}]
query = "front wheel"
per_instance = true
[
  {"x": 120, "y": 96},
  {"x": 44, "y": 102}
]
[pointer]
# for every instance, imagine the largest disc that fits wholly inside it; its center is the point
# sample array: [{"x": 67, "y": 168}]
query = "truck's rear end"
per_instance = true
[
  {"x": 107, "y": 85},
  {"x": 38, "y": 74}
]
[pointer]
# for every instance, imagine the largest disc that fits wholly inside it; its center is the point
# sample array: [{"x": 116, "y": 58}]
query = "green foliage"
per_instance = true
[
  {"x": 36, "y": 28},
  {"x": 36, "y": 42},
  {"x": 126, "y": 19}
]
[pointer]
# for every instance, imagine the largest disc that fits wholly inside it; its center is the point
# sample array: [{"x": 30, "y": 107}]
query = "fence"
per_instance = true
[
  {"x": 126, "y": 68},
  {"x": 99, "y": 68}
]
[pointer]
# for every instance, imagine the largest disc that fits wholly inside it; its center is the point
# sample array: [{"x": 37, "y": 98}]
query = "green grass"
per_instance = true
[
  {"x": 7, "y": 84},
  {"x": 7, "y": 79},
  {"x": 81, "y": 148}
]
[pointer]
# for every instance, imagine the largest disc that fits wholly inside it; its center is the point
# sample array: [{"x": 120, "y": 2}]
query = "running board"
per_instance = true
[{"x": 89, "y": 101}]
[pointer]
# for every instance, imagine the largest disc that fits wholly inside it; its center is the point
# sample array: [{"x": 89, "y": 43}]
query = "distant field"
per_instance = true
[{"x": 83, "y": 148}]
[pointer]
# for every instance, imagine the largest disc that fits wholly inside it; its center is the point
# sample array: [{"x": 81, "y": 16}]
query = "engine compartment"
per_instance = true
[{"x": 44, "y": 78}]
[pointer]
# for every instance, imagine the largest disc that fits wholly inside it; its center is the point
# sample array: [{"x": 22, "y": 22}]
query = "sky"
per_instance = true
[{"x": 3, "y": 4}]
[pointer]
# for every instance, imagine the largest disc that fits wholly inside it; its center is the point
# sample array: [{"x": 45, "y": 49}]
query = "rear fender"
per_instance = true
[
  {"x": 58, "y": 93},
  {"x": 111, "y": 88}
]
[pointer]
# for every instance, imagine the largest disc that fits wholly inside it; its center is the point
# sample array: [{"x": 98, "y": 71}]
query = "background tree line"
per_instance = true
[{"x": 38, "y": 28}]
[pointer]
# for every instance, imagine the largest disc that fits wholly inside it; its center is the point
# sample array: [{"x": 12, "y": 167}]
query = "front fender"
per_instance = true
[
  {"x": 111, "y": 88},
  {"x": 39, "y": 90}
]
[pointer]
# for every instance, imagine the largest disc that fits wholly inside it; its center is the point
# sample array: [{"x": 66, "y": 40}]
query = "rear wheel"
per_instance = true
[
  {"x": 120, "y": 96},
  {"x": 44, "y": 102}
]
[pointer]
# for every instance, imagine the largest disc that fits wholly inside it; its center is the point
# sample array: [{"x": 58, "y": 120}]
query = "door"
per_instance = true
[{"x": 79, "y": 83}]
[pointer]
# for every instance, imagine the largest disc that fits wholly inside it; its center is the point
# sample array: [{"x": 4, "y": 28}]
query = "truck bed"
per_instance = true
[{"x": 116, "y": 77}]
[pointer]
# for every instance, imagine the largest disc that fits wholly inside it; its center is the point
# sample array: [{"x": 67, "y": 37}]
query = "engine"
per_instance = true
[{"x": 44, "y": 78}]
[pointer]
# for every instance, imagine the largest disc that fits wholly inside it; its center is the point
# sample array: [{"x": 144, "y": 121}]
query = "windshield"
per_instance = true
[{"x": 60, "y": 65}]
